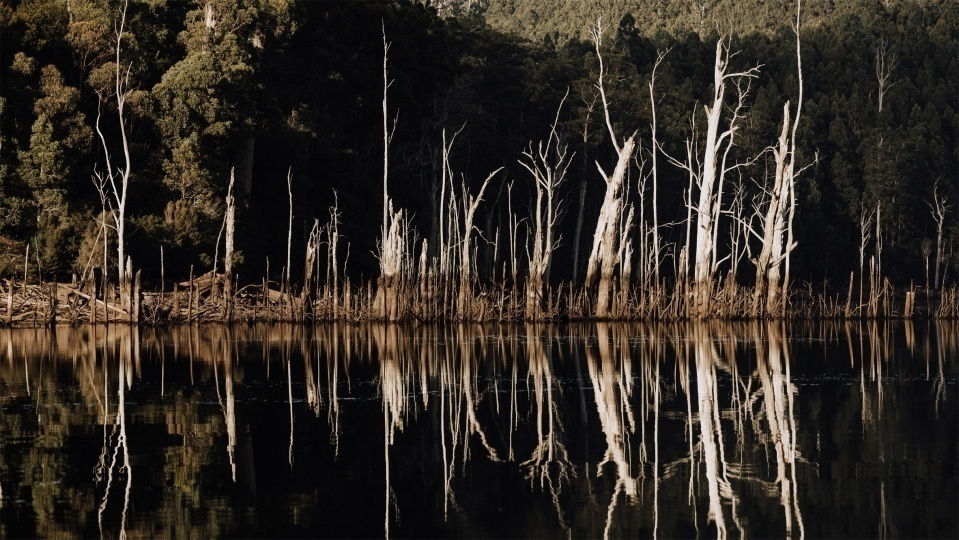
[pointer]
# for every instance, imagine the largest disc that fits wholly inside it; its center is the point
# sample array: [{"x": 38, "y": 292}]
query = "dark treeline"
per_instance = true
[{"x": 289, "y": 94}]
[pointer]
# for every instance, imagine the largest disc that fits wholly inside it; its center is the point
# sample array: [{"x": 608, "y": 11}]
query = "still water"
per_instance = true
[{"x": 580, "y": 430}]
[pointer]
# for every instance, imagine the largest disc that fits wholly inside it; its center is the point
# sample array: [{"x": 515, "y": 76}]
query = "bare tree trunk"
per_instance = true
[
  {"x": 122, "y": 174},
  {"x": 289, "y": 229},
  {"x": 470, "y": 204},
  {"x": 939, "y": 208},
  {"x": 309, "y": 269},
  {"x": 394, "y": 241},
  {"x": 605, "y": 253},
  {"x": 548, "y": 167},
  {"x": 886, "y": 62},
  {"x": 393, "y": 255},
  {"x": 655, "y": 152},
  {"x": 230, "y": 220},
  {"x": 712, "y": 175},
  {"x": 577, "y": 236}
]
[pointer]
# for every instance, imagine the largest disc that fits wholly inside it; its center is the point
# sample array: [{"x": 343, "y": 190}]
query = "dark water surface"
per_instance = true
[{"x": 582, "y": 430}]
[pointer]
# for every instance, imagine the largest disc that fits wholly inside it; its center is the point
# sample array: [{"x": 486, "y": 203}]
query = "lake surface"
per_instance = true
[{"x": 579, "y": 430}]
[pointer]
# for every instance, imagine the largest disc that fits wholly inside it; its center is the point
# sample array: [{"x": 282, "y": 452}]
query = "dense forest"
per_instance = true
[{"x": 279, "y": 106}]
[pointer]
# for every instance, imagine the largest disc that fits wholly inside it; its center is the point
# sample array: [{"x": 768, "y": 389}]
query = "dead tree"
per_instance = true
[
  {"x": 548, "y": 167},
  {"x": 777, "y": 229},
  {"x": 710, "y": 174},
  {"x": 117, "y": 179},
  {"x": 886, "y": 63},
  {"x": 230, "y": 222},
  {"x": 309, "y": 269},
  {"x": 394, "y": 260},
  {"x": 654, "y": 151},
  {"x": 394, "y": 235},
  {"x": 865, "y": 228},
  {"x": 470, "y": 204},
  {"x": 605, "y": 254},
  {"x": 939, "y": 208}
]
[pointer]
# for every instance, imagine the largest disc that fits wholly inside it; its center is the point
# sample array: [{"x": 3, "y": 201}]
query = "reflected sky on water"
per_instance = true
[{"x": 754, "y": 429}]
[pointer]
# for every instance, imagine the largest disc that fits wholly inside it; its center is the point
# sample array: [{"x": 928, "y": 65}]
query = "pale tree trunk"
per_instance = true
[
  {"x": 470, "y": 204},
  {"x": 605, "y": 253},
  {"x": 865, "y": 227},
  {"x": 393, "y": 257},
  {"x": 309, "y": 269},
  {"x": 770, "y": 255},
  {"x": 548, "y": 167},
  {"x": 394, "y": 231},
  {"x": 771, "y": 288},
  {"x": 118, "y": 180},
  {"x": 886, "y": 62},
  {"x": 939, "y": 208},
  {"x": 230, "y": 220},
  {"x": 655, "y": 153},
  {"x": 712, "y": 176},
  {"x": 603, "y": 257}
]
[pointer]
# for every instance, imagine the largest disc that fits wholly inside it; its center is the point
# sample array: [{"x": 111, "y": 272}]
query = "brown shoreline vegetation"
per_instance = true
[{"x": 203, "y": 300}]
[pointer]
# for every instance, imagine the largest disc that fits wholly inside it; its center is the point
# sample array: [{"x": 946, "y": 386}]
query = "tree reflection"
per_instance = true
[
  {"x": 549, "y": 460},
  {"x": 605, "y": 429},
  {"x": 611, "y": 390},
  {"x": 128, "y": 349},
  {"x": 773, "y": 367}
]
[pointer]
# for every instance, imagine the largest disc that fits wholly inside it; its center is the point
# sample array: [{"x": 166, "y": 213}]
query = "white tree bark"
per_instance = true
[
  {"x": 119, "y": 174},
  {"x": 605, "y": 254},
  {"x": 770, "y": 287},
  {"x": 712, "y": 176},
  {"x": 939, "y": 208},
  {"x": 393, "y": 246},
  {"x": 548, "y": 167},
  {"x": 655, "y": 153},
  {"x": 886, "y": 63},
  {"x": 470, "y": 204}
]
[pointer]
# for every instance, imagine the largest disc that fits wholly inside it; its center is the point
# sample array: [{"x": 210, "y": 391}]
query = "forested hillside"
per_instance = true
[{"x": 289, "y": 94}]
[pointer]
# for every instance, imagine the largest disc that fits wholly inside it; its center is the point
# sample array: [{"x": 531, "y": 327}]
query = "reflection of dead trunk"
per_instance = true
[
  {"x": 773, "y": 369},
  {"x": 225, "y": 342},
  {"x": 128, "y": 349},
  {"x": 612, "y": 394},
  {"x": 550, "y": 449},
  {"x": 710, "y": 435},
  {"x": 395, "y": 402}
]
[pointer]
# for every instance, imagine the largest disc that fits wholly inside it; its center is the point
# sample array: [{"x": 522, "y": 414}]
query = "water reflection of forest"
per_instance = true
[{"x": 749, "y": 429}]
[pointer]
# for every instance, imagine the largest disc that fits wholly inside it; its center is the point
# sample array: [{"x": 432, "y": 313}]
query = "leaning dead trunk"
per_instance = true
[{"x": 605, "y": 254}]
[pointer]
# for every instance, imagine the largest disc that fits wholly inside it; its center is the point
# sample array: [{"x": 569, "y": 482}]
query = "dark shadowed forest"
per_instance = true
[{"x": 438, "y": 159}]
